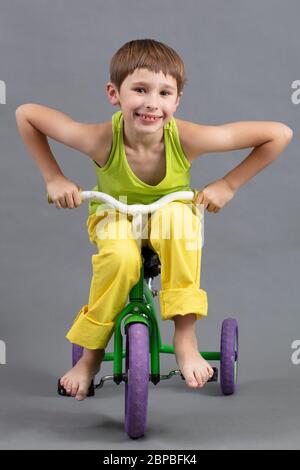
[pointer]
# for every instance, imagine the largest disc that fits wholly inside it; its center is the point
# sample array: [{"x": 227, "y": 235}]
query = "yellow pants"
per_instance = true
[{"x": 174, "y": 233}]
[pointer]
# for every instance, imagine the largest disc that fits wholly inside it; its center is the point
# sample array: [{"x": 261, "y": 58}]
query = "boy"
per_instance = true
[{"x": 146, "y": 81}]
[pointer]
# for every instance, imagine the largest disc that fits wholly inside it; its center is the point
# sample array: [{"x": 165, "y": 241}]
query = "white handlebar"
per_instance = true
[
  {"x": 133, "y": 209},
  {"x": 136, "y": 210}
]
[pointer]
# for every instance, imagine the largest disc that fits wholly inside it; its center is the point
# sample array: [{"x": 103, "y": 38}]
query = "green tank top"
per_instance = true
[{"x": 116, "y": 177}]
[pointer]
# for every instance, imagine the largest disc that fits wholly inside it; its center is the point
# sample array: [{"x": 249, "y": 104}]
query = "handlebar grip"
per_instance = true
[{"x": 50, "y": 201}]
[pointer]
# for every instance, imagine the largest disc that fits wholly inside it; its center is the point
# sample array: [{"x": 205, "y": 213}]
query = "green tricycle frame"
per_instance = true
[{"x": 141, "y": 309}]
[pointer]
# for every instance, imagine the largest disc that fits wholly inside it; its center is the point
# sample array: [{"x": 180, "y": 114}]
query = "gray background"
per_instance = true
[{"x": 241, "y": 58}]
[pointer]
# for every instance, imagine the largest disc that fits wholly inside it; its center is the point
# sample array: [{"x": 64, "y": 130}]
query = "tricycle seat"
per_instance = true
[{"x": 151, "y": 263}]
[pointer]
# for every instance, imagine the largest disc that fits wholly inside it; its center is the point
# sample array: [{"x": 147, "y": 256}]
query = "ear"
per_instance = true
[
  {"x": 112, "y": 93},
  {"x": 178, "y": 99}
]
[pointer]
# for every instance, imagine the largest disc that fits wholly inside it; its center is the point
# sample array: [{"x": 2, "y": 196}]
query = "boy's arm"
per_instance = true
[
  {"x": 269, "y": 139},
  {"x": 36, "y": 123}
]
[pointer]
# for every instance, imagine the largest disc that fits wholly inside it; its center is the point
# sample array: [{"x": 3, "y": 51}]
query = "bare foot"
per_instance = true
[
  {"x": 78, "y": 379},
  {"x": 193, "y": 367}
]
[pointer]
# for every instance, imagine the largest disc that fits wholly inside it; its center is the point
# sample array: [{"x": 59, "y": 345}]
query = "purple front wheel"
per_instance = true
[
  {"x": 229, "y": 356},
  {"x": 136, "y": 386}
]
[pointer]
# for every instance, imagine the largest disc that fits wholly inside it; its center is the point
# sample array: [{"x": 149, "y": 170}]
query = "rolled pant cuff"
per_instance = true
[
  {"x": 88, "y": 333},
  {"x": 182, "y": 301}
]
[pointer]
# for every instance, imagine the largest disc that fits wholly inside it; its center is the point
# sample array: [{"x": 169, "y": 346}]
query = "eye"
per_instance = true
[{"x": 136, "y": 89}]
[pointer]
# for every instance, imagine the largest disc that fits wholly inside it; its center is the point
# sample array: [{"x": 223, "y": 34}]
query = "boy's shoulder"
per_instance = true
[
  {"x": 198, "y": 139},
  {"x": 102, "y": 137},
  {"x": 187, "y": 129}
]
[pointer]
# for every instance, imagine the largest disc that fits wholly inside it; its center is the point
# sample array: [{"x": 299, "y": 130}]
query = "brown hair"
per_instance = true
[{"x": 150, "y": 54}]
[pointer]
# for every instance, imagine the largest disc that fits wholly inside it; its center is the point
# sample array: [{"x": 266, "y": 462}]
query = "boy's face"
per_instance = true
[{"x": 156, "y": 95}]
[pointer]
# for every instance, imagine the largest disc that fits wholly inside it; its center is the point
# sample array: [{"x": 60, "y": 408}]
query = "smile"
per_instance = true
[{"x": 146, "y": 118}]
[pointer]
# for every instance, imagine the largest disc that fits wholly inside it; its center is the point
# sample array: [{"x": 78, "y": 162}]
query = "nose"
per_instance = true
[
  {"x": 151, "y": 103},
  {"x": 151, "y": 106}
]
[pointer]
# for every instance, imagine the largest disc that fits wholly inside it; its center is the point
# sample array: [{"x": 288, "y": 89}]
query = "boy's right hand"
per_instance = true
[{"x": 63, "y": 193}]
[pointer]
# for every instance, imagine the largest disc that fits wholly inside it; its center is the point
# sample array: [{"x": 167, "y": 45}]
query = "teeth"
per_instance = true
[{"x": 147, "y": 117}]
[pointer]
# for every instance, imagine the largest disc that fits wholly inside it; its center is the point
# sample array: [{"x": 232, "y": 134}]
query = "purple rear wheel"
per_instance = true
[
  {"x": 77, "y": 352},
  {"x": 136, "y": 386},
  {"x": 229, "y": 356}
]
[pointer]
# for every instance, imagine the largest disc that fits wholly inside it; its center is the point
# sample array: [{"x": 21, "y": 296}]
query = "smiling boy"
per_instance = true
[{"x": 134, "y": 150}]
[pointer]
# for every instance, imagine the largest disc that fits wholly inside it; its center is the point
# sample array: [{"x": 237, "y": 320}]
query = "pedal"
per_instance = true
[
  {"x": 62, "y": 391},
  {"x": 214, "y": 378}
]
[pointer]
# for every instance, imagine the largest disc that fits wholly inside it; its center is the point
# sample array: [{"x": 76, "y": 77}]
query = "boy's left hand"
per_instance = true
[{"x": 215, "y": 195}]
